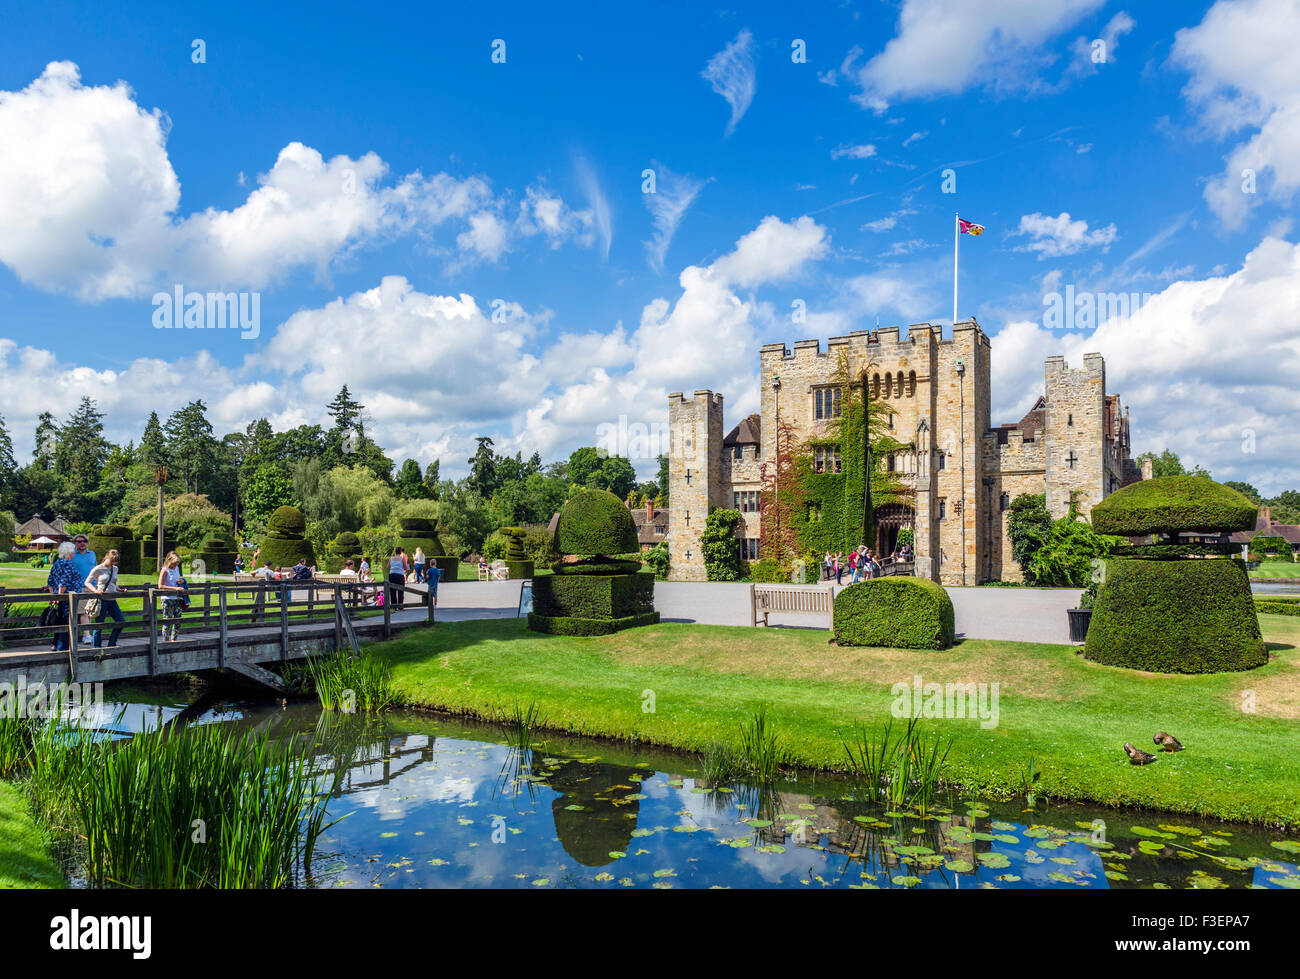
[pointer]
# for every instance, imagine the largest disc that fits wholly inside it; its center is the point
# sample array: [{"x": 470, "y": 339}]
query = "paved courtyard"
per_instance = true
[{"x": 1017, "y": 614}]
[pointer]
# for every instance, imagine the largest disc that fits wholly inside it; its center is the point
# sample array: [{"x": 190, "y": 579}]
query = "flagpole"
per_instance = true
[{"x": 956, "y": 236}]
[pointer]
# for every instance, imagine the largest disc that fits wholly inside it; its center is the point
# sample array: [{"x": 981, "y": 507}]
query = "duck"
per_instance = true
[
  {"x": 1167, "y": 741},
  {"x": 1137, "y": 756}
]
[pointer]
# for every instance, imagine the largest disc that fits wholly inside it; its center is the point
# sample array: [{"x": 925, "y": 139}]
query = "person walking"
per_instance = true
[
  {"x": 432, "y": 575},
  {"x": 838, "y": 564},
  {"x": 102, "y": 580},
  {"x": 397, "y": 565},
  {"x": 83, "y": 559},
  {"x": 63, "y": 579},
  {"x": 419, "y": 564},
  {"x": 173, "y": 585}
]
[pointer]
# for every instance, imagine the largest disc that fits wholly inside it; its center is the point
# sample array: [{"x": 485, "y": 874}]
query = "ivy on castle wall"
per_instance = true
[{"x": 832, "y": 516}]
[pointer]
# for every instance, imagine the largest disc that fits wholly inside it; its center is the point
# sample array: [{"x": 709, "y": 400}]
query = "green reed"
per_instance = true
[
  {"x": 902, "y": 770},
  {"x": 181, "y": 808},
  {"x": 522, "y": 725},
  {"x": 17, "y": 738},
  {"x": 352, "y": 683},
  {"x": 721, "y": 763},
  {"x": 762, "y": 748}
]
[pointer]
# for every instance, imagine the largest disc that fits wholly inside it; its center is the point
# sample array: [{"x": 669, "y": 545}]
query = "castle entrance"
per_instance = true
[{"x": 889, "y": 520}]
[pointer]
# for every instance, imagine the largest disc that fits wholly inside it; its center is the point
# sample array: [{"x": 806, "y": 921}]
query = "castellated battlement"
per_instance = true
[
  {"x": 878, "y": 341},
  {"x": 703, "y": 396},
  {"x": 1094, "y": 365}
]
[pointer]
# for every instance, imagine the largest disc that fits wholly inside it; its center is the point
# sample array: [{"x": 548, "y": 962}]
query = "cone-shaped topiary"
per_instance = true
[
  {"x": 284, "y": 543},
  {"x": 517, "y": 562},
  {"x": 595, "y": 522},
  {"x": 1161, "y": 610},
  {"x": 1172, "y": 504}
]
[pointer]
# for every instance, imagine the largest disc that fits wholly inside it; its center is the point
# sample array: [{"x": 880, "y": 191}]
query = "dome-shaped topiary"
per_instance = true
[
  {"x": 287, "y": 520},
  {"x": 347, "y": 541},
  {"x": 1173, "y": 504},
  {"x": 595, "y": 522}
]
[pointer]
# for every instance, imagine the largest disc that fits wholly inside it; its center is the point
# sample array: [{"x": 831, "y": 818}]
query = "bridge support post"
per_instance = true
[
  {"x": 151, "y": 618},
  {"x": 285, "y": 595},
  {"x": 223, "y": 626}
]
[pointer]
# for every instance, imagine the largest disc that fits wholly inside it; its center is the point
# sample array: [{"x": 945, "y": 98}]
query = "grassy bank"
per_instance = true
[
  {"x": 1276, "y": 569},
  {"x": 1071, "y": 716},
  {"x": 25, "y": 859}
]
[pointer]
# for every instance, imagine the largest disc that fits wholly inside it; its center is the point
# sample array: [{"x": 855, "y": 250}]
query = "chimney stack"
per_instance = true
[
  {"x": 1146, "y": 468},
  {"x": 649, "y": 510}
]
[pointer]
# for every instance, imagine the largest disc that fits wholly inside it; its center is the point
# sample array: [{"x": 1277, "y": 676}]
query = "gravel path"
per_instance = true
[{"x": 1016, "y": 614}]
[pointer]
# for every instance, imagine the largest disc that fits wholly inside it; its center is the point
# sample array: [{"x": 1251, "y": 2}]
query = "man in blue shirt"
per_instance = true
[{"x": 84, "y": 560}]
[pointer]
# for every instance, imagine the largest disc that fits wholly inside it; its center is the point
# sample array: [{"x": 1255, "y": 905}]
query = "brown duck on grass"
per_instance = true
[
  {"x": 1136, "y": 755},
  {"x": 1167, "y": 741}
]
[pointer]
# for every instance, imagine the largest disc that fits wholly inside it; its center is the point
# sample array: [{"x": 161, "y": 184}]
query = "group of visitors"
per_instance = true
[
  {"x": 76, "y": 569},
  {"x": 862, "y": 563},
  {"x": 406, "y": 569}
]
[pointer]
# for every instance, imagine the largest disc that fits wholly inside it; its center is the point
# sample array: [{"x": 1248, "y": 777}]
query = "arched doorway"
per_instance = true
[{"x": 889, "y": 520}]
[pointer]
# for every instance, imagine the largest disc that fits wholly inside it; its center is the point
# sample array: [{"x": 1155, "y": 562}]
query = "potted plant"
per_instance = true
[{"x": 1080, "y": 617}]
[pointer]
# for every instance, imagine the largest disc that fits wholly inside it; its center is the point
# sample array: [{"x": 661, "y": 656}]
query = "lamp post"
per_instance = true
[
  {"x": 160, "y": 476},
  {"x": 776, "y": 442}
]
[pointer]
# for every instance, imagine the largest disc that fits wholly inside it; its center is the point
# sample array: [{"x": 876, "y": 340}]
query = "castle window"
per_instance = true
[
  {"x": 746, "y": 501},
  {"x": 875, "y": 386},
  {"x": 826, "y": 458},
  {"x": 943, "y": 509},
  {"x": 1069, "y": 420},
  {"x": 891, "y": 463},
  {"x": 738, "y": 452},
  {"x": 898, "y": 387},
  {"x": 814, "y": 511},
  {"x": 911, "y": 383},
  {"x": 826, "y": 403},
  {"x": 1003, "y": 502},
  {"x": 943, "y": 461},
  {"x": 749, "y": 548}
]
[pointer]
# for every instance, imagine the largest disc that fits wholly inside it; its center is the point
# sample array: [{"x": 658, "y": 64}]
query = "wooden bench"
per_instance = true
[{"x": 790, "y": 600}]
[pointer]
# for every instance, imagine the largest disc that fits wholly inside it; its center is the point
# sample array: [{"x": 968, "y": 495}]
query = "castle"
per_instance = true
[{"x": 964, "y": 471}]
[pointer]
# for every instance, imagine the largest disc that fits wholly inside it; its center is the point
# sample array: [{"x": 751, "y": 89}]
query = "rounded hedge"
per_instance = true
[
  {"x": 287, "y": 521},
  {"x": 347, "y": 541},
  {"x": 1172, "y": 504},
  {"x": 1188, "y": 616},
  {"x": 595, "y": 522},
  {"x": 422, "y": 533},
  {"x": 423, "y": 525},
  {"x": 898, "y": 613}
]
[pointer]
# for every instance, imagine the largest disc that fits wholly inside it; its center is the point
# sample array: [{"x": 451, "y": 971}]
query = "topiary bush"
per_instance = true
[
  {"x": 517, "y": 562},
  {"x": 284, "y": 542},
  {"x": 600, "y": 593},
  {"x": 1180, "y": 616},
  {"x": 899, "y": 613},
  {"x": 422, "y": 532},
  {"x": 595, "y": 522},
  {"x": 345, "y": 545},
  {"x": 108, "y": 537},
  {"x": 1173, "y": 504}
]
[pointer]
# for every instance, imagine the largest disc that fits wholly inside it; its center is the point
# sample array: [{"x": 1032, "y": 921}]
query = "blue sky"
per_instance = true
[{"x": 383, "y": 185}]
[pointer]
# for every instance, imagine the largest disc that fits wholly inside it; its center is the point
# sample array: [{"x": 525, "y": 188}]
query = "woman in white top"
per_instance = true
[
  {"x": 397, "y": 567},
  {"x": 102, "y": 581},
  {"x": 169, "y": 582}
]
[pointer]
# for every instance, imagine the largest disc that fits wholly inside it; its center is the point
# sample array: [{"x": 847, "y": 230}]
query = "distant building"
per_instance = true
[
  {"x": 651, "y": 524},
  {"x": 1266, "y": 526}
]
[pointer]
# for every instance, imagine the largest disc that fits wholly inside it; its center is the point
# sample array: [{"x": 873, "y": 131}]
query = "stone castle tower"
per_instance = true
[{"x": 934, "y": 394}]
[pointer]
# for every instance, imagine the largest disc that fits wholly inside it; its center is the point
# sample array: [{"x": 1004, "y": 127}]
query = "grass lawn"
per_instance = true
[
  {"x": 1276, "y": 569},
  {"x": 1071, "y": 716},
  {"x": 25, "y": 859}
]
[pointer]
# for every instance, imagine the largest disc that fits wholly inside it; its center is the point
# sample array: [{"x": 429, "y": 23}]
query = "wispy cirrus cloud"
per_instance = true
[
  {"x": 598, "y": 202},
  {"x": 674, "y": 194},
  {"x": 731, "y": 73}
]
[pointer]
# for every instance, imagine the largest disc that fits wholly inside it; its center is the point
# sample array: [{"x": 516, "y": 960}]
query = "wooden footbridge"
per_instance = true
[{"x": 236, "y": 626}]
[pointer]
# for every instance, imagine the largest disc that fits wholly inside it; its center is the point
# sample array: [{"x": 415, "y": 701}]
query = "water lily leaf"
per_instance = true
[
  {"x": 960, "y": 866},
  {"x": 995, "y": 861},
  {"x": 1286, "y": 846},
  {"x": 906, "y": 880},
  {"x": 1146, "y": 831},
  {"x": 617, "y": 854}
]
